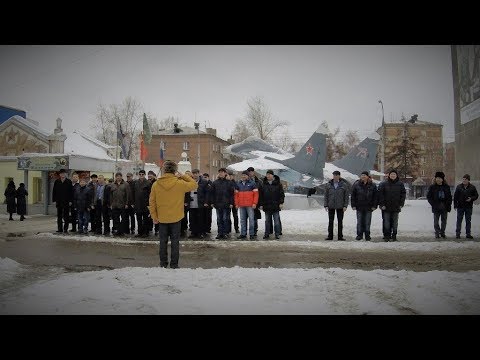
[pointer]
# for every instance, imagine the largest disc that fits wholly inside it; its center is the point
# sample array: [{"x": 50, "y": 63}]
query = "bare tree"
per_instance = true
[
  {"x": 168, "y": 122},
  {"x": 334, "y": 147},
  {"x": 350, "y": 140},
  {"x": 241, "y": 131},
  {"x": 287, "y": 143},
  {"x": 260, "y": 120},
  {"x": 130, "y": 116}
]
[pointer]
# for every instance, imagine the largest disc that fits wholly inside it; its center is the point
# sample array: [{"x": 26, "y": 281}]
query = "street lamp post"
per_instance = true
[{"x": 382, "y": 155}]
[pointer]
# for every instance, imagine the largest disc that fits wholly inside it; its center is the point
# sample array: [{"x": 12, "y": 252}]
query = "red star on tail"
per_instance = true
[{"x": 309, "y": 149}]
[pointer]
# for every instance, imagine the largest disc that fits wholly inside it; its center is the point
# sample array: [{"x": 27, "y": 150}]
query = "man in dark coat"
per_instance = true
[
  {"x": 100, "y": 201},
  {"x": 440, "y": 198},
  {"x": 208, "y": 209},
  {"x": 364, "y": 201},
  {"x": 222, "y": 198},
  {"x": 93, "y": 189},
  {"x": 73, "y": 211},
  {"x": 463, "y": 198},
  {"x": 131, "y": 206},
  {"x": 10, "y": 194},
  {"x": 258, "y": 182},
  {"x": 140, "y": 195},
  {"x": 271, "y": 202},
  {"x": 119, "y": 198},
  {"x": 198, "y": 204},
  {"x": 83, "y": 203},
  {"x": 62, "y": 195},
  {"x": 391, "y": 199},
  {"x": 21, "y": 194},
  {"x": 336, "y": 201},
  {"x": 230, "y": 176}
]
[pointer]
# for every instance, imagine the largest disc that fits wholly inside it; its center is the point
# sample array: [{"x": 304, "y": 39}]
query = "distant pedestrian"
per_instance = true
[
  {"x": 336, "y": 201},
  {"x": 463, "y": 198},
  {"x": 391, "y": 199},
  {"x": 440, "y": 198},
  {"x": 62, "y": 195},
  {"x": 10, "y": 197},
  {"x": 21, "y": 195},
  {"x": 364, "y": 201},
  {"x": 166, "y": 208}
]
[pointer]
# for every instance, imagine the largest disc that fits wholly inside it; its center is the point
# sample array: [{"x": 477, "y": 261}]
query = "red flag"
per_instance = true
[{"x": 143, "y": 149}]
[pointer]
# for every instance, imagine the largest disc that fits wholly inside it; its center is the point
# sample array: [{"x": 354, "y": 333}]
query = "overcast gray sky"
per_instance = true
[{"x": 301, "y": 84}]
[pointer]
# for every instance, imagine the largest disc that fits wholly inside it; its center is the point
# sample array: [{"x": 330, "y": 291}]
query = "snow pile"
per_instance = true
[
  {"x": 249, "y": 291},
  {"x": 8, "y": 269}
]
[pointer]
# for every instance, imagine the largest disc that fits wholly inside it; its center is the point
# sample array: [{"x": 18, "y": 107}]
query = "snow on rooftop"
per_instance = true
[
  {"x": 77, "y": 144},
  {"x": 31, "y": 124}
]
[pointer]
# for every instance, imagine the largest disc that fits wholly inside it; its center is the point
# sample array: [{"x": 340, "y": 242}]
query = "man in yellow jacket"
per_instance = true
[{"x": 166, "y": 205}]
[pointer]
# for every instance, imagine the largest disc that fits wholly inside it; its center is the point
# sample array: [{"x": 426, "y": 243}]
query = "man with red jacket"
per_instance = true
[{"x": 246, "y": 200}]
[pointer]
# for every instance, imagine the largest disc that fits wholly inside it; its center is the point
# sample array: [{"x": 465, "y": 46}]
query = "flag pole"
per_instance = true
[{"x": 116, "y": 153}]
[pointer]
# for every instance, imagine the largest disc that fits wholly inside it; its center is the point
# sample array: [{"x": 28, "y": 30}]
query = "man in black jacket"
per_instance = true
[
  {"x": 131, "y": 206},
  {"x": 258, "y": 214},
  {"x": 440, "y": 198},
  {"x": 222, "y": 199},
  {"x": 140, "y": 195},
  {"x": 391, "y": 199},
  {"x": 463, "y": 198},
  {"x": 73, "y": 211},
  {"x": 197, "y": 206},
  {"x": 271, "y": 199},
  {"x": 364, "y": 201},
  {"x": 208, "y": 209},
  {"x": 62, "y": 195}
]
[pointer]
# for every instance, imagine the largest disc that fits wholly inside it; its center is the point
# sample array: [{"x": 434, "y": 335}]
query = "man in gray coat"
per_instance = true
[
  {"x": 336, "y": 201},
  {"x": 119, "y": 199}
]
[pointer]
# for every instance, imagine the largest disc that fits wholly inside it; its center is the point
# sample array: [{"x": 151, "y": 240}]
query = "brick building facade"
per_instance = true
[
  {"x": 203, "y": 148},
  {"x": 429, "y": 138}
]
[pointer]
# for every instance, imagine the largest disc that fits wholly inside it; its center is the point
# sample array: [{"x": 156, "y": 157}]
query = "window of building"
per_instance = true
[
  {"x": 422, "y": 146},
  {"x": 424, "y": 133},
  {"x": 163, "y": 145},
  {"x": 423, "y": 172},
  {"x": 423, "y": 159},
  {"x": 213, "y": 147},
  {"x": 186, "y": 145}
]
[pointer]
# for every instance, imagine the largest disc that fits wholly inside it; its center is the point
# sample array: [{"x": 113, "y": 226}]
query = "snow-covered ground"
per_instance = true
[
  {"x": 415, "y": 224},
  {"x": 266, "y": 290},
  {"x": 246, "y": 291}
]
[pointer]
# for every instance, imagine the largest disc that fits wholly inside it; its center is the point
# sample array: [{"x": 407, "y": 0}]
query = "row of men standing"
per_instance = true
[{"x": 100, "y": 202}]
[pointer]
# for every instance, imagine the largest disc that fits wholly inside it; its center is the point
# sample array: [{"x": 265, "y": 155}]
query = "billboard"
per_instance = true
[
  {"x": 468, "y": 70},
  {"x": 52, "y": 163}
]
